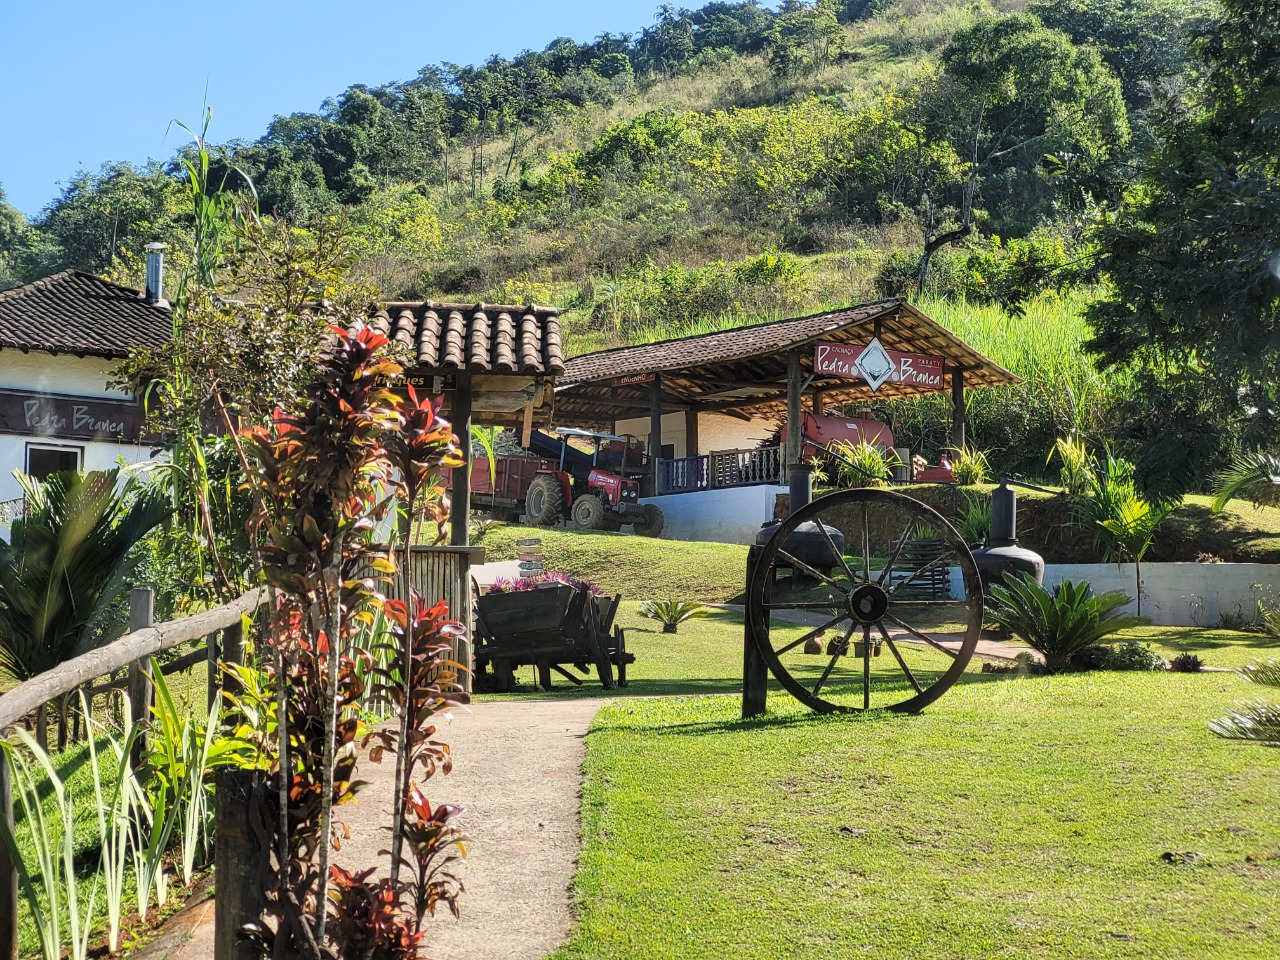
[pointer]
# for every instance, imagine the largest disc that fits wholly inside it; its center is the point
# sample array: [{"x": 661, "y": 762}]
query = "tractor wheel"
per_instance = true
[
  {"x": 544, "y": 503},
  {"x": 651, "y": 525},
  {"x": 589, "y": 512}
]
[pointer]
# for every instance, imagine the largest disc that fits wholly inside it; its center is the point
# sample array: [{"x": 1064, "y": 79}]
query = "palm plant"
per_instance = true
[
  {"x": 1257, "y": 722},
  {"x": 671, "y": 613},
  {"x": 66, "y": 567},
  {"x": 1131, "y": 531},
  {"x": 1255, "y": 475},
  {"x": 1058, "y": 623}
]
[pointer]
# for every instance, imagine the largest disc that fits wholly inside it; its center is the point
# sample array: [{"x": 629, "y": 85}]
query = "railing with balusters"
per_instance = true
[{"x": 720, "y": 468}]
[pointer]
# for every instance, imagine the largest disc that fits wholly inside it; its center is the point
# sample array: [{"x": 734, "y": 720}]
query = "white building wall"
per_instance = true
[
  {"x": 1173, "y": 594},
  {"x": 725, "y": 515},
  {"x": 715, "y": 432},
  {"x": 69, "y": 375}
]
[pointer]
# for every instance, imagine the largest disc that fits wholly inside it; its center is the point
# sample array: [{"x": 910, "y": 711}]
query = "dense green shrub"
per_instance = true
[
  {"x": 1061, "y": 622},
  {"x": 1132, "y": 655}
]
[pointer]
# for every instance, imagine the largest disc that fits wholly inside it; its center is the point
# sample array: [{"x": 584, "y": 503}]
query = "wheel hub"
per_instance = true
[{"x": 868, "y": 603}]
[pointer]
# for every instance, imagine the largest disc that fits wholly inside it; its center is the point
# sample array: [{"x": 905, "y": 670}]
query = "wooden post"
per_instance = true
[
  {"x": 957, "y": 409},
  {"x": 214, "y": 683},
  {"x": 795, "y": 416},
  {"x": 141, "y": 616},
  {"x": 236, "y": 856},
  {"x": 817, "y": 402},
  {"x": 755, "y": 674},
  {"x": 460, "y": 504},
  {"x": 8, "y": 870},
  {"x": 655, "y": 431},
  {"x": 691, "y": 433}
]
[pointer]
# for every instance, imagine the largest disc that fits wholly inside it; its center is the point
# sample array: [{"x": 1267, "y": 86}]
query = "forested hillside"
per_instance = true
[{"x": 724, "y": 165}]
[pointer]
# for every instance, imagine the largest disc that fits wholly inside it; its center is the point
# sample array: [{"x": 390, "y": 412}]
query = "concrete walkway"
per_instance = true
[{"x": 518, "y": 770}]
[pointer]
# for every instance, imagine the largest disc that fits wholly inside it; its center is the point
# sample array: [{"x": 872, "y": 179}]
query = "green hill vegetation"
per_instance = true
[{"x": 728, "y": 165}]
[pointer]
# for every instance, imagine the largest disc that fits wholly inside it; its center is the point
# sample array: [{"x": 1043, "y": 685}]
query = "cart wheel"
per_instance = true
[{"x": 875, "y": 598}]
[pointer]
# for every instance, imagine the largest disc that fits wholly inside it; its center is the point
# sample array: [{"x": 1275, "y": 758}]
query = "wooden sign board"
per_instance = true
[
  {"x": 633, "y": 380},
  {"x": 913, "y": 369},
  {"x": 69, "y": 418}
]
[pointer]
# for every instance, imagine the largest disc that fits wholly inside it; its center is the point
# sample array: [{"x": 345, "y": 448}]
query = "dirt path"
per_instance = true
[{"x": 518, "y": 769}]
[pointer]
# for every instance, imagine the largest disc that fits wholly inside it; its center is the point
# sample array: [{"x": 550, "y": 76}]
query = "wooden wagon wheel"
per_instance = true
[{"x": 854, "y": 573}]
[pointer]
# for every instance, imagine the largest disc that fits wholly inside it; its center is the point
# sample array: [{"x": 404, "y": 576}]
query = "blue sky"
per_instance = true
[{"x": 85, "y": 82}]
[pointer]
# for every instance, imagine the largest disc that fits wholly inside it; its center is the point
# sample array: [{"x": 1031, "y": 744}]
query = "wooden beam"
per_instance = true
[
  {"x": 655, "y": 430},
  {"x": 526, "y": 428},
  {"x": 460, "y": 496},
  {"x": 691, "y": 433},
  {"x": 795, "y": 412},
  {"x": 957, "y": 409}
]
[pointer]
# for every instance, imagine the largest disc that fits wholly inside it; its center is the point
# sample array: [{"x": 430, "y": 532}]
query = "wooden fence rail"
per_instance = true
[{"x": 144, "y": 640}]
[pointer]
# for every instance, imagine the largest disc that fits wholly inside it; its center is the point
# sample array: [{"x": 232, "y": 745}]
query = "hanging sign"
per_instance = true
[
  {"x": 69, "y": 418},
  {"x": 876, "y": 365},
  {"x": 632, "y": 380}
]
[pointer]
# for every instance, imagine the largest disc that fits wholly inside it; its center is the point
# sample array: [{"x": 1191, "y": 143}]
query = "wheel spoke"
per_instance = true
[
  {"x": 931, "y": 603},
  {"x": 839, "y": 554},
  {"x": 803, "y": 605},
  {"x": 924, "y": 638},
  {"x": 895, "y": 549},
  {"x": 866, "y": 542},
  {"x": 811, "y": 634},
  {"x": 800, "y": 564},
  {"x": 893, "y": 648},
  {"x": 840, "y": 648},
  {"x": 940, "y": 559}
]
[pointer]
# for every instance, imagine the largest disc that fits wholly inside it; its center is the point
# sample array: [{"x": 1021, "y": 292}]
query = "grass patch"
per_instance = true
[
  {"x": 636, "y": 567},
  {"x": 1020, "y": 818}
]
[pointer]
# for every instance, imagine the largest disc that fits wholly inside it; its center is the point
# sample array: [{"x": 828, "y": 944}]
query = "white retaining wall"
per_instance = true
[
  {"x": 1173, "y": 594},
  {"x": 724, "y": 515}
]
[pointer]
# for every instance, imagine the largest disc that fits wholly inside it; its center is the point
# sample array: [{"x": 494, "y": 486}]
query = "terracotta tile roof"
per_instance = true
[
  {"x": 746, "y": 368},
  {"x": 476, "y": 337},
  {"x": 74, "y": 312}
]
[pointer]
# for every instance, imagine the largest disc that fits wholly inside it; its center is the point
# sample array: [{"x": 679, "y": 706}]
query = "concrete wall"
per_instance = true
[
  {"x": 726, "y": 515},
  {"x": 715, "y": 432},
  {"x": 63, "y": 374},
  {"x": 1174, "y": 594}
]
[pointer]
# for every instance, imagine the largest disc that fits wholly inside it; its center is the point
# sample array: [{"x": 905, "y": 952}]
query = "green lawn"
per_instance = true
[{"x": 1020, "y": 817}]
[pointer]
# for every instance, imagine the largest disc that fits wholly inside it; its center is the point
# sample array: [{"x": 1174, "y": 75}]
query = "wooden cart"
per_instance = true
[{"x": 551, "y": 628}]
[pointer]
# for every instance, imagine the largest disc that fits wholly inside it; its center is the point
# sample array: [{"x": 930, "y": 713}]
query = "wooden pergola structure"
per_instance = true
[
  {"x": 767, "y": 370},
  {"x": 495, "y": 366}
]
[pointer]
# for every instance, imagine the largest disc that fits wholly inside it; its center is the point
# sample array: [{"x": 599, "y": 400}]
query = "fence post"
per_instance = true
[
  {"x": 235, "y": 864},
  {"x": 141, "y": 616},
  {"x": 232, "y": 653},
  {"x": 211, "y": 645},
  {"x": 8, "y": 870},
  {"x": 755, "y": 673}
]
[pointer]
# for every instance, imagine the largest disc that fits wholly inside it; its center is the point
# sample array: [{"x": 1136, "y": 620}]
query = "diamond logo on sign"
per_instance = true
[{"x": 875, "y": 364}]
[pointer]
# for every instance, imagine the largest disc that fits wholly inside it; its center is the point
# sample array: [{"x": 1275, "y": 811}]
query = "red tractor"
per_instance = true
[{"x": 563, "y": 482}]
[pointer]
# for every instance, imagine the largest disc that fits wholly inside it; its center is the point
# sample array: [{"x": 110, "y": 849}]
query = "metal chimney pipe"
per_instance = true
[
  {"x": 155, "y": 273},
  {"x": 1004, "y": 516}
]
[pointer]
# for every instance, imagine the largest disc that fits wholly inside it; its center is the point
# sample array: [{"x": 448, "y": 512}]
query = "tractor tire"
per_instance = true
[
  {"x": 544, "y": 503},
  {"x": 589, "y": 512},
  {"x": 651, "y": 525}
]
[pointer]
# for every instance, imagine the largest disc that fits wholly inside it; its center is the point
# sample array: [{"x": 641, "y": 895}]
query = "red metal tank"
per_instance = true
[{"x": 824, "y": 429}]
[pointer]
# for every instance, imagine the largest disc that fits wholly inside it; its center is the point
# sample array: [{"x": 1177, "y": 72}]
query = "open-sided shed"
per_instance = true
[{"x": 883, "y": 349}]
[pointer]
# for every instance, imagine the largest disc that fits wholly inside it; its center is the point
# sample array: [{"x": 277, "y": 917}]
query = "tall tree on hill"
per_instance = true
[
  {"x": 12, "y": 226},
  {"x": 1013, "y": 98},
  {"x": 1193, "y": 255}
]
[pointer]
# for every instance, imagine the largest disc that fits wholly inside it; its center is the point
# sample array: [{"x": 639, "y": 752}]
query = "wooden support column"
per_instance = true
[
  {"x": 236, "y": 859},
  {"x": 957, "y": 409},
  {"x": 655, "y": 431},
  {"x": 141, "y": 616},
  {"x": 794, "y": 453},
  {"x": 691, "y": 433},
  {"x": 817, "y": 403},
  {"x": 460, "y": 502}
]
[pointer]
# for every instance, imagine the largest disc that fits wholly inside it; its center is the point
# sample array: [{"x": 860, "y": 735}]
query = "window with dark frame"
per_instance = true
[{"x": 44, "y": 459}]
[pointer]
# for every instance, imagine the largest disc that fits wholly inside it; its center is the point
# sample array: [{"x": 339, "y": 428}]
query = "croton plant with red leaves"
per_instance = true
[{"x": 323, "y": 479}]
